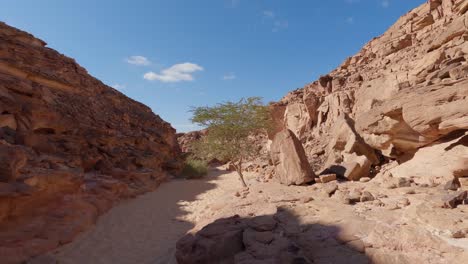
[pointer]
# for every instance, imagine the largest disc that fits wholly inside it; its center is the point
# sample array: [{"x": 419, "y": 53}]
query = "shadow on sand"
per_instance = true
[
  {"x": 280, "y": 238},
  {"x": 139, "y": 229}
]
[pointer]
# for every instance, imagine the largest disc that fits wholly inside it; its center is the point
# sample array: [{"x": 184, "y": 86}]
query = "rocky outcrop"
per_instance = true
[
  {"x": 70, "y": 147},
  {"x": 401, "y": 96},
  {"x": 289, "y": 159},
  {"x": 186, "y": 139}
]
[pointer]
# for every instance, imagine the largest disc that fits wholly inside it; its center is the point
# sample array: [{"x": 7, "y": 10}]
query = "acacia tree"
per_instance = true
[{"x": 231, "y": 129}]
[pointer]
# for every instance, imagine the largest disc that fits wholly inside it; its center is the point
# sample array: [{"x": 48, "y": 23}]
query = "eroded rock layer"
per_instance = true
[
  {"x": 70, "y": 147},
  {"x": 404, "y": 93}
]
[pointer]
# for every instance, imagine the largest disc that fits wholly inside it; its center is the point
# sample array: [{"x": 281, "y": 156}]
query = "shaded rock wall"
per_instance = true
[{"x": 70, "y": 146}]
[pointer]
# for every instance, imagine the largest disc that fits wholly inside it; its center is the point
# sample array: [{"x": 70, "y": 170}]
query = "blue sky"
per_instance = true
[{"x": 175, "y": 54}]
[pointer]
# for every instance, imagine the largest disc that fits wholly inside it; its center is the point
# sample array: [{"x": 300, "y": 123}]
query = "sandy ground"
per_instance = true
[{"x": 145, "y": 229}]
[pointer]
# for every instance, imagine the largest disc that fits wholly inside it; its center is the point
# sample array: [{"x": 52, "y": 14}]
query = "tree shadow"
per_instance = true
[{"x": 280, "y": 238}]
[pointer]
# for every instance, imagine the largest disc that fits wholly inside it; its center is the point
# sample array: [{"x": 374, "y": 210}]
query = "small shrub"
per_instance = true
[{"x": 194, "y": 169}]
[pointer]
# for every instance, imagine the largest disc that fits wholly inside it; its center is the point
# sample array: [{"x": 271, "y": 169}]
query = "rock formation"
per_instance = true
[
  {"x": 289, "y": 159},
  {"x": 186, "y": 139},
  {"x": 243, "y": 241},
  {"x": 402, "y": 96},
  {"x": 70, "y": 147},
  {"x": 392, "y": 123}
]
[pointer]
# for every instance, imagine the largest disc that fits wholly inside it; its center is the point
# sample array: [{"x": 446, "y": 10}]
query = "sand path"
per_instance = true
[{"x": 145, "y": 229}]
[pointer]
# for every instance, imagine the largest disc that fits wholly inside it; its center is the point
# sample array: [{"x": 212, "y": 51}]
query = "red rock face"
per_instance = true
[{"x": 70, "y": 147}]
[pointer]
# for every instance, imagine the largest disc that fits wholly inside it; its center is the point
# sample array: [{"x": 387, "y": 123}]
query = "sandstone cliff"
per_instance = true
[
  {"x": 70, "y": 147},
  {"x": 398, "y": 99}
]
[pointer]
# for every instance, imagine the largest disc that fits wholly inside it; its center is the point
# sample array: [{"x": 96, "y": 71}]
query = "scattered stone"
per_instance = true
[
  {"x": 327, "y": 178},
  {"x": 378, "y": 203},
  {"x": 365, "y": 179},
  {"x": 459, "y": 234},
  {"x": 283, "y": 199},
  {"x": 403, "y": 202},
  {"x": 306, "y": 199},
  {"x": 453, "y": 200},
  {"x": 330, "y": 188},
  {"x": 452, "y": 185},
  {"x": 403, "y": 182},
  {"x": 366, "y": 197},
  {"x": 354, "y": 196},
  {"x": 393, "y": 183},
  {"x": 393, "y": 206}
]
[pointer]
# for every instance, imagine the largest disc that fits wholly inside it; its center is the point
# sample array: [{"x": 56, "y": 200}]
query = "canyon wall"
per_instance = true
[
  {"x": 70, "y": 147},
  {"x": 396, "y": 101},
  {"x": 386, "y": 134}
]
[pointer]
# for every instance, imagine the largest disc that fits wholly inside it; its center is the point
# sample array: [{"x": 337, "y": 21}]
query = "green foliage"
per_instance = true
[
  {"x": 194, "y": 169},
  {"x": 231, "y": 129}
]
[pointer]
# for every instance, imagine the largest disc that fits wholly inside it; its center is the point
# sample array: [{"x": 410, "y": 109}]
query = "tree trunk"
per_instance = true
[{"x": 239, "y": 172}]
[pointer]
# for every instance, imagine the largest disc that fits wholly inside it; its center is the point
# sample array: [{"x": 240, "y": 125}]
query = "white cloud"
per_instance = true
[
  {"x": 229, "y": 76},
  {"x": 176, "y": 73},
  {"x": 350, "y": 20},
  {"x": 138, "y": 60},
  {"x": 119, "y": 86},
  {"x": 268, "y": 14},
  {"x": 385, "y": 3},
  {"x": 280, "y": 25}
]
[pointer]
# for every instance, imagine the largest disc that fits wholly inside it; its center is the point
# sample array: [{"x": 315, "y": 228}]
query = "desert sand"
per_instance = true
[{"x": 146, "y": 229}]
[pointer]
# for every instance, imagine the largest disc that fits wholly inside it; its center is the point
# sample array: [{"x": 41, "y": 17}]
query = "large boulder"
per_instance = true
[{"x": 289, "y": 158}]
